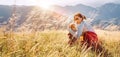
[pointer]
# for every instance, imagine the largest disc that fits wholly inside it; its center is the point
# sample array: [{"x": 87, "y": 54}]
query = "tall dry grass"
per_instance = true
[{"x": 53, "y": 44}]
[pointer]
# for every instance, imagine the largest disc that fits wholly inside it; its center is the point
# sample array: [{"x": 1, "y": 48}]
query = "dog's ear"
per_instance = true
[
  {"x": 70, "y": 25},
  {"x": 70, "y": 35},
  {"x": 83, "y": 17}
]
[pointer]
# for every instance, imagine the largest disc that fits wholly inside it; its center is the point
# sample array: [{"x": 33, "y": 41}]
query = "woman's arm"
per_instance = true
[{"x": 80, "y": 29}]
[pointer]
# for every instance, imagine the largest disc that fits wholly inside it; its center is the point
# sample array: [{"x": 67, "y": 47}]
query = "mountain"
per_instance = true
[
  {"x": 109, "y": 10},
  {"x": 39, "y": 19},
  {"x": 31, "y": 18},
  {"x": 70, "y": 10},
  {"x": 108, "y": 14},
  {"x": 104, "y": 17},
  {"x": 6, "y": 12}
]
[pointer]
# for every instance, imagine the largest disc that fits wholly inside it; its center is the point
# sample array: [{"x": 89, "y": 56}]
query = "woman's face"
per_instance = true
[{"x": 77, "y": 19}]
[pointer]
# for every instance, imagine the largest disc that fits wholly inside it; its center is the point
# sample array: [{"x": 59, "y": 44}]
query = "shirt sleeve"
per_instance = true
[
  {"x": 80, "y": 29},
  {"x": 88, "y": 26}
]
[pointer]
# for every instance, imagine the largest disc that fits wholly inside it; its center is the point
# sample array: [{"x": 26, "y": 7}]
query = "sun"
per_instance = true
[{"x": 44, "y": 4}]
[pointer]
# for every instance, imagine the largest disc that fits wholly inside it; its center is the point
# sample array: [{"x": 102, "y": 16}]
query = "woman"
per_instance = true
[
  {"x": 84, "y": 29},
  {"x": 89, "y": 36}
]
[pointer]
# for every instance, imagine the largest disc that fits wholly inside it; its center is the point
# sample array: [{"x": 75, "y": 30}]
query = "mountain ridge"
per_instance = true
[{"x": 103, "y": 14}]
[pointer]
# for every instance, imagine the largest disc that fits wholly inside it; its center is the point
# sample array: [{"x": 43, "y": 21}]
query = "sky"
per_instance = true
[{"x": 93, "y": 3}]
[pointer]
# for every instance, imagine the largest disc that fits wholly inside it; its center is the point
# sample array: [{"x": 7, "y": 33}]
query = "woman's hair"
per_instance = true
[{"x": 80, "y": 15}]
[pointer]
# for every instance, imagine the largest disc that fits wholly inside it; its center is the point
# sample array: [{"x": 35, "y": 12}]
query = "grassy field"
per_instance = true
[{"x": 52, "y": 44}]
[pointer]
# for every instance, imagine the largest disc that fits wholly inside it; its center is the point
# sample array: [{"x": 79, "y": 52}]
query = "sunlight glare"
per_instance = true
[{"x": 44, "y": 4}]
